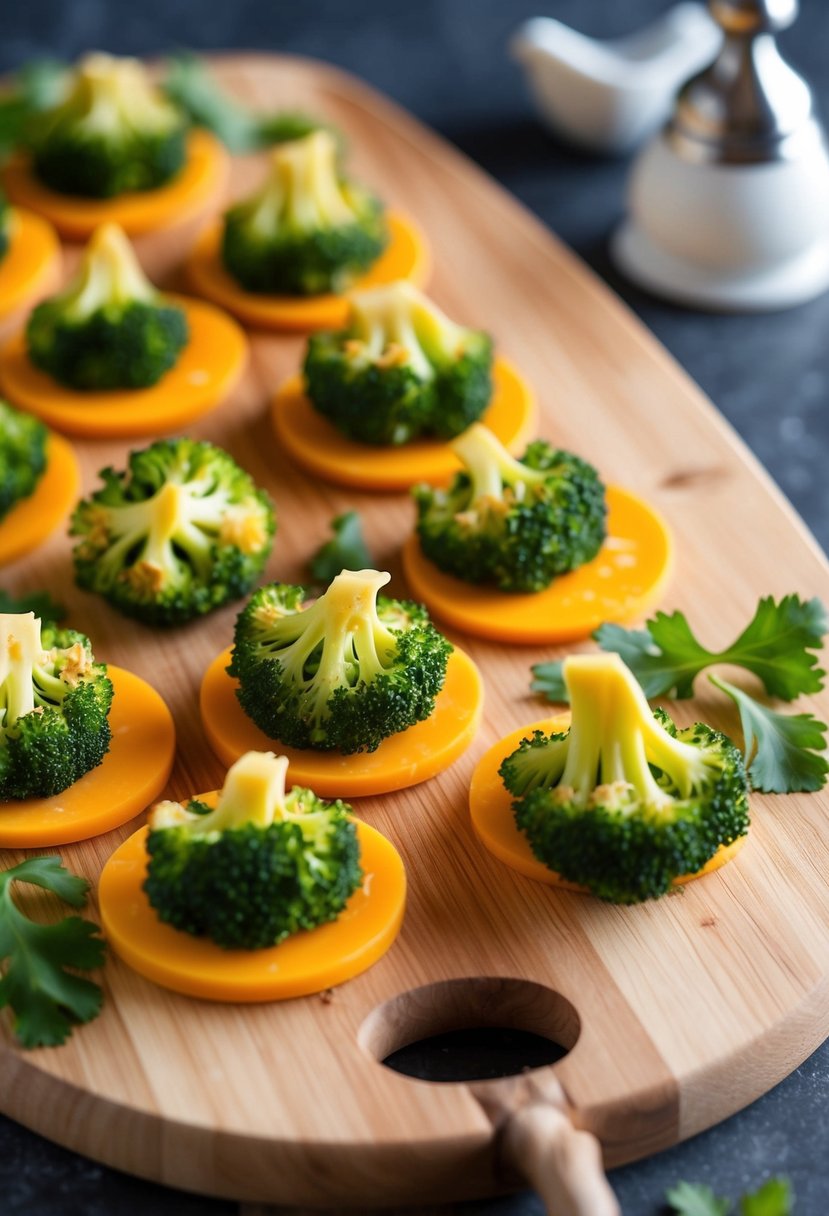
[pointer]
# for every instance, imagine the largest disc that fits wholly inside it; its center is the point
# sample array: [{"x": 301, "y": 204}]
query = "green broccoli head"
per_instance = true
[
  {"x": 261, "y": 865},
  {"x": 339, "y": 674},
  {"x": 623, "y": 803},
  {"x": 109, "y": 328},
  {"x": 54, "y": 702},
  {"x": 113, "y": 131},
  {"x": 180, "y": 532},
  {"x": 400, "y": 370},
  {"x": 308, "y": 230},
  {"x": 22, "y": 455},
  {"x": 516, "y": 524}
]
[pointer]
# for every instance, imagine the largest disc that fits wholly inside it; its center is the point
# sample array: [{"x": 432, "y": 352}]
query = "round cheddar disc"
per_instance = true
[
  {"x": 201, "y": 179},
  {"x": 627, "y": 577},
  {"x": 32, "y": 519},
  {"x": 401, "y": 760},
  {"x": 30, "y": 266},
  {"x": 306, "y": 962},
  {"x": 132, "y": 774},
  {"x": 316, "y": 444},
  {"x": 490, "y": 804},
  {"x": 405, "y": 257},
  {"x": 208, "y": 369}
]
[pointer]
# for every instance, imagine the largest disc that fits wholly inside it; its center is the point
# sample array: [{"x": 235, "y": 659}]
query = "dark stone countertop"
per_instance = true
[{"x": 445, "y": 61}]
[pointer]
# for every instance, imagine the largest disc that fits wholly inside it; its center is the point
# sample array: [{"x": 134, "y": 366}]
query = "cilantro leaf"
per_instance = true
[
  {"x": 38, "y": 602},
  {"x": 37, "y": 86},
  {"x": 42, "y": 83},
  {"x": 549, "y": 681},
  {"x": 46, "y": 998},
  {"x": 777, "y": 646},
  {"x": 286, "y": 125},
  {"x": 193, "y": 87},
  {"x": 665, "y": 657},
  {"x": 774, "y": 1198},
  {"x": 694, "y": 1199},
  {"x": 784, "y": 752},
  {"x": 656, "y": 668},
  {"x": 346, "y": 550}
]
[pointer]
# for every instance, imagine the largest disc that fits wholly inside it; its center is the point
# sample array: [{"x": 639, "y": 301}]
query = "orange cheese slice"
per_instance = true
[
  {"x": 30, "y": 266},
  {"x": 401, "y": 760},
  {"x": 406, "y": 257},
  {"x": 32, "y": 519},
  {"x": 133, "y": 773},
  {"x": 306, "y": 962},
  {"x": 201, "y": 179},
  {"x": 627, "y": 577},
  {"x": 315, "y": 444},
  {"x": 490, "y": 805},
  {"x": 207, "y": 370}
]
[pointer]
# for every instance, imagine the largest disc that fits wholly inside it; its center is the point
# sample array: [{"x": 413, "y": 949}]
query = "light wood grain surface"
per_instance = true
[{"x": 678, "y": 1012}]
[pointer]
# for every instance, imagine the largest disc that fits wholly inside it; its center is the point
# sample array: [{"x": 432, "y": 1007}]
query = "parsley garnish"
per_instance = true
[
  {"x": 346, "y": 550},
  {"x": 777, "y": 646},
  {"x": 694, "y": 1199},
  {"x": 784, "y": 752},
  {"x": 193, "y": 87},
  {"x": 38, "y": 602},
  {"x": 45, "y": 998},
  {"x": 774, "y": 1198}
]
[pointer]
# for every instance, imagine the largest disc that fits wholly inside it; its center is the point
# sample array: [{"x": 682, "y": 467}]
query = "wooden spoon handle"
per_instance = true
[{"x": 562, "y": 1164}]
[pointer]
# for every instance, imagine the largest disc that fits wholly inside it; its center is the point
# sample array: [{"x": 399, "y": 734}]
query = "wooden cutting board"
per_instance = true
[{"x": 677, "y": 1012}]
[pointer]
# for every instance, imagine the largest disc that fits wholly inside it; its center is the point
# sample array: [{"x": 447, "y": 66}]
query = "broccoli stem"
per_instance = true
[
  {"x": 109, "y": 277},
  {"x": 614, "y": 736},
  {"x": 400, "y": 320},
  {"x": 176, "y": 516},
  {"x": 31, "y": 678},
  {"x": 303, "y": 192},
  {"x": 164, "y": 519},
  {"x": 490, "y": 467},
  {"x": 109, "y": 95},
  {"x": 253, "y": 793},
  {"x": 20, "y": 650},
  {"x": 339, "y": 641},
  {"x": 354, "y": 627},
  {"x": 48, "y": 688}
]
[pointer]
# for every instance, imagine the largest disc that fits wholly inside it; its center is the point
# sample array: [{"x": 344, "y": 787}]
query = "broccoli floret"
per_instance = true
[
  {"x": 339, "y": 674},
  {"x": 308, "y": 230},
  {"x": 517, "y": 524},
  {"x": 624, "y": 803},
  {"x": 401, "y": 369},
  {"x": 178, "y": 533},
  {"x": 109, "y": 328},
  {"x": 260, "y": 866},
  {"x": 54, "y": 702},
  {"x": 22, "y": 455},
  {"x": 112, "y": 132}
]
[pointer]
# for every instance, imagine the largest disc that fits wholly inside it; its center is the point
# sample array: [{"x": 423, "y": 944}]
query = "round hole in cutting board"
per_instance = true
[
  {"x": 478, "y": 1053},
  {"x": 470, "y": 1029}
]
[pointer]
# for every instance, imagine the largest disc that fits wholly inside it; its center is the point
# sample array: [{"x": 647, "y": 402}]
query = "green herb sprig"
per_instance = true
[
  {"x": 39, "y": 962},
  {"x": 779, "y": 646}
]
